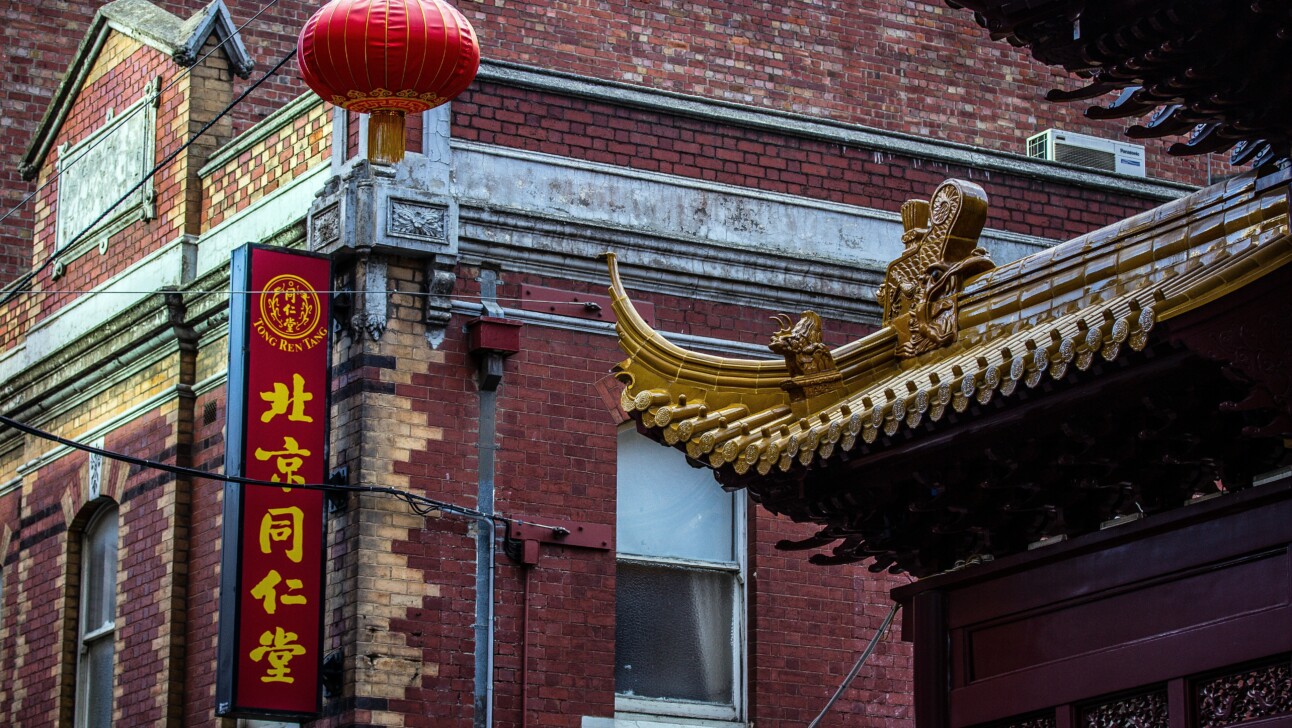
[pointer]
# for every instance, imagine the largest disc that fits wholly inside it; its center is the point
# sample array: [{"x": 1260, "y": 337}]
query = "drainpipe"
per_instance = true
[{"x": 490, "y": 339}]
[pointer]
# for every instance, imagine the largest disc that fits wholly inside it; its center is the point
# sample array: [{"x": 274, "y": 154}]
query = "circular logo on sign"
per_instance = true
[{"x": 289, "y": 307}]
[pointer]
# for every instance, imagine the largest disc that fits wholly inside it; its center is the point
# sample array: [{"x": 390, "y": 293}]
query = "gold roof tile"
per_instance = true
[{"x": 1091, "y": 297}]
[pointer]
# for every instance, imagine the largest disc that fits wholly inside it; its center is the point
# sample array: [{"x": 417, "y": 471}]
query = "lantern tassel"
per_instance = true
[{"x": 386, "y": 136}]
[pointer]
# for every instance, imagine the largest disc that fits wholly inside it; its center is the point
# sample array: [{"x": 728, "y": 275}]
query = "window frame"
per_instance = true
[
  {"x": 645, "y": 708},
  {"x": 104, "y": 631}
]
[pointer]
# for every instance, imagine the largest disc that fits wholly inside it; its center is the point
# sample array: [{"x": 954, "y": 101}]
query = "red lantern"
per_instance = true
[{"x": 388, "y": 58}]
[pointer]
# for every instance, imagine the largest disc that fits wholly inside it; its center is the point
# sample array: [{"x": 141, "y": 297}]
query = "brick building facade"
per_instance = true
[{"x": 742, "y": 161}]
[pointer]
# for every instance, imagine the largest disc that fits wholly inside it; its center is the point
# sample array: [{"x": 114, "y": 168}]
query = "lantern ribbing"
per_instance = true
[{"x": 388, "y": 58}]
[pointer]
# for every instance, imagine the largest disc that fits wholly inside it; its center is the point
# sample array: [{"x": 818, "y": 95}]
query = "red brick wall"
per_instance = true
[
  {"x": 555, "y": 460},
  {"x": 204, "y": 564},
  {"x": 41, "y": 579},
  {"x": 34, "y": 52},
  {"x": 445, "y": 550},
  {"x": 575, "y": 127},
  {"x": 43, "y": 560},
  {"x": 906, "y": 66},
  {"x": 147, "y": 504},
  {"x": 814, "y": 622},
  {"x": 10, "y": 529}
]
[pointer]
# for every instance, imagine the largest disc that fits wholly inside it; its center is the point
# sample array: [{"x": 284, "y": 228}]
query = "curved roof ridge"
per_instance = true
[{"x": 1094, "y": 297}]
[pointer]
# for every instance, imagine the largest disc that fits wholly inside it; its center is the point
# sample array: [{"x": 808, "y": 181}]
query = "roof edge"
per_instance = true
[{"x": 214, "y": 18}]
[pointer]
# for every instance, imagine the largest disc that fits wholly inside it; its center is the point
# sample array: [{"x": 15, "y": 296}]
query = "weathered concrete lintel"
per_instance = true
[
  {"x": 552, "y": 216},
  {"x": 565, "y": 188},
  {"x": 717, "y": 274}
]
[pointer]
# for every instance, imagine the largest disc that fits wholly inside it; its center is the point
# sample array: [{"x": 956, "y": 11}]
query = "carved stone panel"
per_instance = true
[
  {"x": 1146, "y": 710},
  {"x": 385, "y": 209},
  {"x": 94, "y": 475},
  {"x": 1238, "y": 697},
  {"x": 415, "y": 220},
  {"x": 96, "y": 171},
  {"x": 373, "y": 211},
  {"x": 326, "y": 225}
]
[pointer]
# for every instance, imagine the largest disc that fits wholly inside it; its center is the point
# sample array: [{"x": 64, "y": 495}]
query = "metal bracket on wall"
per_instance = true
[
  {"x": 572, "y": 304},
  {"x": 523, "y": 539},
  {"x": 492, "y": 339},
  {"x": 338, "y": 499},
  {"x": 333, "y": 673}
]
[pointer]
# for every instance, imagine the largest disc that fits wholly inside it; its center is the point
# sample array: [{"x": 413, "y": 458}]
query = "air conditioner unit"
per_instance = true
[{"x": 1057, "y": 145}]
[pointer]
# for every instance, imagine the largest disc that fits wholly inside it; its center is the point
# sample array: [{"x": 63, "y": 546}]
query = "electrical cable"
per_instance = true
[
  {"x": 852, "y": 674},
  {"x": 119, "y": 120},
  {"x": 23, "y": 280},
  {"x": 388, "y": 291},
  {"x": 420, "y": 504}
]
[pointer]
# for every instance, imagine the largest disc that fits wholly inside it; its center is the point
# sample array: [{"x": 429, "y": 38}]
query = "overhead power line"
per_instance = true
[
  {"x": 589, "y": 304},
  {"x": 852, "y": 674},
  {"x": 423, "y": 505}
]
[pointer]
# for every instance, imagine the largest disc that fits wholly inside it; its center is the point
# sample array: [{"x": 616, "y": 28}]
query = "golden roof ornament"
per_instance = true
[
  {"x": 811, "y": 365},
  {"x": 920, "y": 292}
]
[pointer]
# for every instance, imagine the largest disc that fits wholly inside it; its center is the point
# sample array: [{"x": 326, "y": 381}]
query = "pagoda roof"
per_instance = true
[{"x": 1037, "y": 328}]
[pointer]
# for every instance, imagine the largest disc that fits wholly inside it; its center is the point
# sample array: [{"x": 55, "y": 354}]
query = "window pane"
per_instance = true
[
  {"x": 98, "y": 610},
  {"x": 100, "y": 573},
  {"x": 98, "y": 693},
  {"x": 673, "y": 633},
  {"x": 668, "y": 508}
]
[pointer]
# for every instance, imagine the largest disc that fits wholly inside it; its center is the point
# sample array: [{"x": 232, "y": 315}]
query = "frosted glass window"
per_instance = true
[
  {"x": 679, "y": 606},
  {"x": 97, "y": 623},
  {"x": 674, "y": 632},
  {"x": 668, "y": 508}
]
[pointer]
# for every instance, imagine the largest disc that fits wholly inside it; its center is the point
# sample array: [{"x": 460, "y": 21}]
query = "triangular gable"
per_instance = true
[
  {"x": 151, "y": 25},
  {"x": 214, "y": 18}
]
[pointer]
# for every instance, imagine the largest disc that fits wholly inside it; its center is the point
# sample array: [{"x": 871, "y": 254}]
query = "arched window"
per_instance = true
[{"x": 96, "y": 627}]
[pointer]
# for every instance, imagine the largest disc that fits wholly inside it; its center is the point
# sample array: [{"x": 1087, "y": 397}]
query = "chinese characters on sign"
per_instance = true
[{"x": 272, "y": 584}]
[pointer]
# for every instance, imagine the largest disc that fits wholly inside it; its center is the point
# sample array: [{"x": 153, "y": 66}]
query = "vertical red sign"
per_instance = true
[{"x": 272, "y": 585}]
